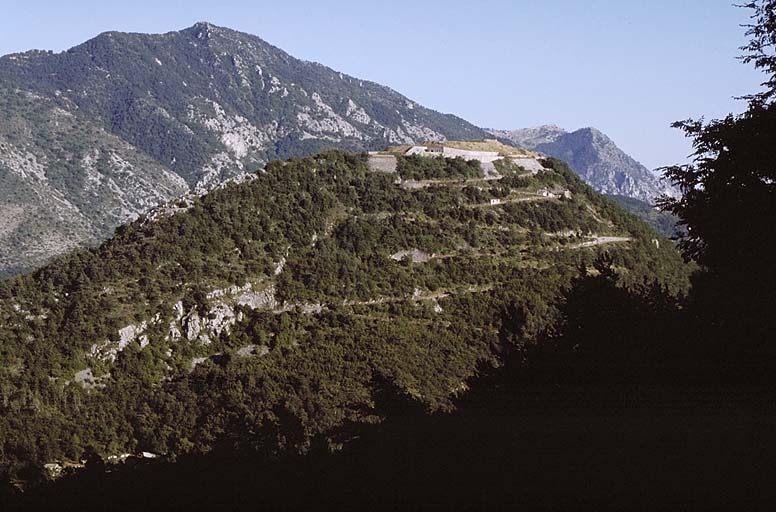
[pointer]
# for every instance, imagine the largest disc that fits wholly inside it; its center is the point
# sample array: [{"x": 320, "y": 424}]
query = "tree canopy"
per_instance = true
[{"x": 728, "y": 201}]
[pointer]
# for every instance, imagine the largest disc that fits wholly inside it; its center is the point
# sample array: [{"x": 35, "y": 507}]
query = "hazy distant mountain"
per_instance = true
[
  {"x": 94, "y": 136},
  {"x": 594, "y": 156}
]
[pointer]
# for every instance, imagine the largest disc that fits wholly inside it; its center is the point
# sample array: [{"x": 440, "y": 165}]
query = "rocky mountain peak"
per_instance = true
[
  {"x": 205, "y": 31},
  {"x": 526, "y": 137},
  {"x": 594, "y": 156},
  {"x": 595, "y": 136},
  {"x": 202, "y": 30},
  {"x": 203, "y": 25}
]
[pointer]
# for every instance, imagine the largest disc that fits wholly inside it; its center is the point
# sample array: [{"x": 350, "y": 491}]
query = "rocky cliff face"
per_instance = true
[
  {"x": 94, "y": 136},
  {"x": 594, "y": 156}
]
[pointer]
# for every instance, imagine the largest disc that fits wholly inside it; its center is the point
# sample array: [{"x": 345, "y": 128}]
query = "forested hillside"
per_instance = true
[
  {"x": 663, "y": 222},
  {"x": 276, "y": 310},
  {"x": 382, "y": 331},
  {"x": 96, "y": 135}
]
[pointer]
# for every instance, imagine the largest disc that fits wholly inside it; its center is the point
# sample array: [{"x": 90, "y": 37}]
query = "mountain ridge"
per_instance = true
[
  {"x": 594, "y": 156},
  {"x": 204, "y": 104}
]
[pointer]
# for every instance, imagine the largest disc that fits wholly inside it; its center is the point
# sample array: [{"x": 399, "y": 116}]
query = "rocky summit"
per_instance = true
[{"x": 595, "y": 157}]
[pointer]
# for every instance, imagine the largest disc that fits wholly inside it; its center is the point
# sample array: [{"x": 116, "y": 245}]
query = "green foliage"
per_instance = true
[
  {"x": 506, "y": 167},
  {"x": 728, "y": 206},
  {"x": 761, "y": 47},
  {"x": 421, "y": 326},
  {"x": 664, "y": 223},
  {"x": 416, "y": 167}
]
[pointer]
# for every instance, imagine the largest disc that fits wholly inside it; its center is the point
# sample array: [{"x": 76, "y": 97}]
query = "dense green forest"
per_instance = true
[
  {"x": 667, "y": 224},
  {"x": 614, "y": 406},
  {"x": 265, "y": 313}
]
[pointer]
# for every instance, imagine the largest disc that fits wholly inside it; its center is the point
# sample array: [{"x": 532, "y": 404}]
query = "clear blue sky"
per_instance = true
[{"x": 628, "y": 67}]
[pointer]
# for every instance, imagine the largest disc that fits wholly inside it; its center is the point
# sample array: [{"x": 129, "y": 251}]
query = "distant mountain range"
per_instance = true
[
  {"x": 594, "y": 156},
  {"x": 92, "y": 137}
]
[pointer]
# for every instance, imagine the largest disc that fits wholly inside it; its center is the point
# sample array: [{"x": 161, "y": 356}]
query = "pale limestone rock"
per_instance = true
[
  {"x": 178, "y": 307},
  {"x": 22, "y": 162},
  {"x": 83, "y": 375},
  {"x": 415, "y": 255},
  {"x": 87, "y": 380},
  {"x": 53, "y": 469},
  {"x": 253, "y": 351},
  {"x": 357, "y": 113},
  {"x": 232, "y": 290},
  {"x": 108, "y": 350},
  {"x": 264, "y": 299},
  {"x": 193, "y": 326},
  {"x": 280, "y": 266},
  {"x": 220, "y": 319},
  {"x": 174, "y": 333},
  {"x": 310, "y": 308}
]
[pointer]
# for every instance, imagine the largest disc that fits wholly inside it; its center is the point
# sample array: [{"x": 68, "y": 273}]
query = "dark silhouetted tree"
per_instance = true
[{"x": 728, "y": 205}]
